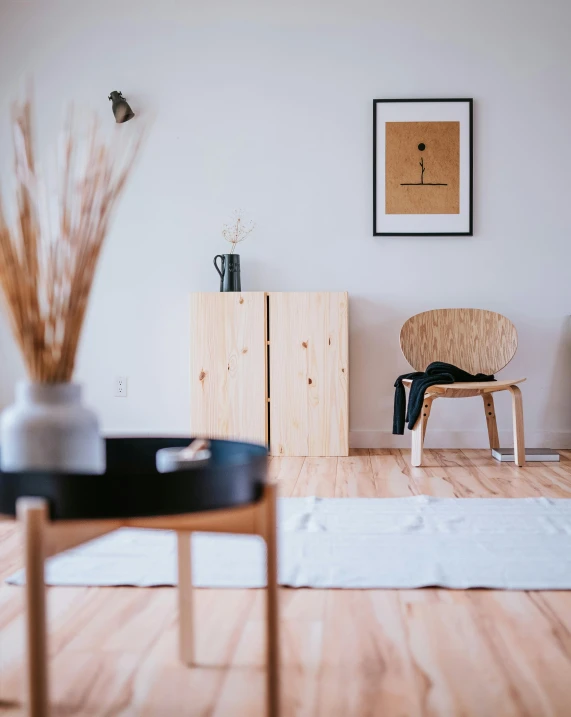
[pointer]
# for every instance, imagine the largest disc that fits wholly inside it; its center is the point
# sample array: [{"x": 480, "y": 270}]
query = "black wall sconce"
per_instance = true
[{"x": 120, "y": 108}]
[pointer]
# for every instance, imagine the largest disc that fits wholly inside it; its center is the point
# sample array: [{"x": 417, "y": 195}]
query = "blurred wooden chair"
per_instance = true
[{"x": 476, "y": 341}]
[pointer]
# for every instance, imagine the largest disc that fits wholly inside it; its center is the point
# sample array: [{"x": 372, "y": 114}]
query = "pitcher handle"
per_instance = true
[{"x": 222, "y": 269}]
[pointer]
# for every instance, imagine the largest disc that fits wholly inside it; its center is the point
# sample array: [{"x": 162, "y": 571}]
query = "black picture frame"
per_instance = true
[{"x": 470, "y": 231}]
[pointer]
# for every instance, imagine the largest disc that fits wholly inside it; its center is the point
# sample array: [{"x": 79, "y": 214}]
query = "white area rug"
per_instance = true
[{"x": 519, "y": 544}]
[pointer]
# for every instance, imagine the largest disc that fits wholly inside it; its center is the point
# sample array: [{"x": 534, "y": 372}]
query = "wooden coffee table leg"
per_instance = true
[
  {"x": 33, "y": 514},
  {"x": 185, "y": 601},
  {"x": 272, "y": 599}
]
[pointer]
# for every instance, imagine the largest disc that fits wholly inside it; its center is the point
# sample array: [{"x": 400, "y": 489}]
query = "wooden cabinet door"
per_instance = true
[
  {"x": 228, "y": 366},
  {"x": 308, "y": 334}
]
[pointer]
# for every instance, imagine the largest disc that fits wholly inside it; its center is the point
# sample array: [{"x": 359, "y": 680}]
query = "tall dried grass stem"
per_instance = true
[{"x": 47, "y": 269}]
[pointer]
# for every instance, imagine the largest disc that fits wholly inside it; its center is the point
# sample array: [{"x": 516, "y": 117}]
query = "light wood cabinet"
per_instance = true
[
  {"x": 272, "y": 368},
  {"x": 229, "y": 366}
]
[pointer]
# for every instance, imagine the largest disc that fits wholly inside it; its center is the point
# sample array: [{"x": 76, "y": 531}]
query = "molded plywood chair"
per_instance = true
[{"x": 475, "y": 340}]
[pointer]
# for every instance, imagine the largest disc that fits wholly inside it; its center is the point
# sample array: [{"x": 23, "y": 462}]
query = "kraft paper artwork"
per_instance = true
[{"x": 422, "y": 168}]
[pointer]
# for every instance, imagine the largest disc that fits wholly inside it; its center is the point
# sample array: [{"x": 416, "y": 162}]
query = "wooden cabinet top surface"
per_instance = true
[{"x": 234, "y": 293}]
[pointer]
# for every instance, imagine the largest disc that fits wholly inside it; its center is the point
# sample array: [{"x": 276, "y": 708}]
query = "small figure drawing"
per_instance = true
[{"x": 422, "y": 183}]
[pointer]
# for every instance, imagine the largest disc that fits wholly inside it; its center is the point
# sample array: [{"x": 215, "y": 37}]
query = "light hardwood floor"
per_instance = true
[{"x": 395, "y": 653}]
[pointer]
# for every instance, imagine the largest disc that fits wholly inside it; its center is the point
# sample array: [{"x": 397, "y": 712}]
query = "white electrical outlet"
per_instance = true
[{"x": 121, "y": 387}]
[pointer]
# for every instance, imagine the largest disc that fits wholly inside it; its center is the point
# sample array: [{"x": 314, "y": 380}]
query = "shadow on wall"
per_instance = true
[
  {"x": 544, "y": 358},
  {"x": 254, "y": 274},
  {"x": 558, "y": 405},
  {"x": 375, "y": 360}
]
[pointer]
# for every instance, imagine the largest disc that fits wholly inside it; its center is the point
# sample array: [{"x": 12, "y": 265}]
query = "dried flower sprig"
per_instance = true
[
  {"x": 47, "y": 270},
  {"x": 238, "y": 230}
]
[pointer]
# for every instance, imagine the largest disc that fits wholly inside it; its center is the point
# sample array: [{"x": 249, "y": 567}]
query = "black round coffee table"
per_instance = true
[
  {"x": 132, "y": 487},
  {"x": 230, "y": 493}
]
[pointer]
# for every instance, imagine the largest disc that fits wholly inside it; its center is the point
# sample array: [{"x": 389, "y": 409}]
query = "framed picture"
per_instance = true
[{"x": 422, "y": 167}]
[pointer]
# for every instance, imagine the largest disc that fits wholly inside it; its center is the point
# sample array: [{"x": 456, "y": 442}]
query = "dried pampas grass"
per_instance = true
[{"x": 47, "y": 269}]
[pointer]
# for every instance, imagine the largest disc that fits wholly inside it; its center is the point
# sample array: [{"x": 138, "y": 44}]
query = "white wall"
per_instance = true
[{"x": 268, "y": 106}]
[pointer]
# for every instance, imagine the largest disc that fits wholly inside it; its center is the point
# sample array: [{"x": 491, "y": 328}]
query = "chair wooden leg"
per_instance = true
[
  {"x": 33, "y": 514},
  {"x": 419, "y": 431},
  {"x": 272, "y": 599},
  {"x": 491, "y": 420},
  {"x": 185, "y": 601},
  {"x": 519, "y": 440}
]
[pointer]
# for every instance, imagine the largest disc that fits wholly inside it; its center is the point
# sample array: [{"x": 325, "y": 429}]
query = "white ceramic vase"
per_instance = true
[{"x": 48, "y": 428}]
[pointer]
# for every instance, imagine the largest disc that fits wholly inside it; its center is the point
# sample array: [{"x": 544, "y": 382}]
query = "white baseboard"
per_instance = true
[
  {"x": 439, "y": 438},
  {"x": 435, "y": 438}
]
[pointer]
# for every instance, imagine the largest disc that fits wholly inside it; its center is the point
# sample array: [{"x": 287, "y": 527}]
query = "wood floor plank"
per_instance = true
[
  {"x": 559, "y": 474},
  {"x": 69, "y": 611},
  {"x": 359, "y": 451},
  {"x": 11, "y": 605},
  {"x": 556, "y": 607},
  {"x": 458, "y": 672},
  {"x": 147, "y": 618},
  {"x": 514, "y": 628},
  {"x": 470, "y": 482},
  {"x": 354, "y": 477},
  {"x": 242, "y": 690},
  {"x": 164, "y": 685},
  {"x": 317, "y": 477},
  {"x": 92, "y": 682},
  {"x": 303, "y": 613},
  {"x": 508, "y": 483},
  {"x": 563, "y": 469},
  {"x": 547, "y": 482},
  {"x": 532, "y": 481},
  {"x": 10, "y": 549},
  {"x": 285, "y": 470},
  {"x": 366, "y": 668},
  {"x": 489, "y": 480},
  {"x": 479, "y": 457},
  {"x": 428, "y": 480},
  {"x": 390, "y": 480},
  {"x": 174, "y": 690},
  {"x": 450, "y": 458}
]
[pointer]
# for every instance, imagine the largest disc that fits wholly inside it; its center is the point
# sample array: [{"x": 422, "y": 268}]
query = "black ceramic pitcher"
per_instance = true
[{"x": 229, "y": 271}]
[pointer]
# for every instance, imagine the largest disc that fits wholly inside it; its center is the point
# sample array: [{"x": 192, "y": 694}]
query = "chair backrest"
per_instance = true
[{"x": 475, "y": 340}]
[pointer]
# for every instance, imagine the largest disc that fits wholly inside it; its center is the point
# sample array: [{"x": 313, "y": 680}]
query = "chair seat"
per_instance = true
[{"x": 465, "y": 389}]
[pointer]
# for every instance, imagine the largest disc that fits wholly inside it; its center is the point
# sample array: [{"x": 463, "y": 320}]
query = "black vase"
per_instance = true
[{"x": 229, "y": 271}]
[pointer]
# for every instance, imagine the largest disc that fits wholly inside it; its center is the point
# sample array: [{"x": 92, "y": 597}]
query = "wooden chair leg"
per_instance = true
[
  {"x": 491, "y": 420},
  {"x": 419, "y": 431},
  {"x": 33, "y": 514},
  {"x": 519, "y": 440},
  {"x": 185, "y": 599},
  {"x": 272, "y": 607}
]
